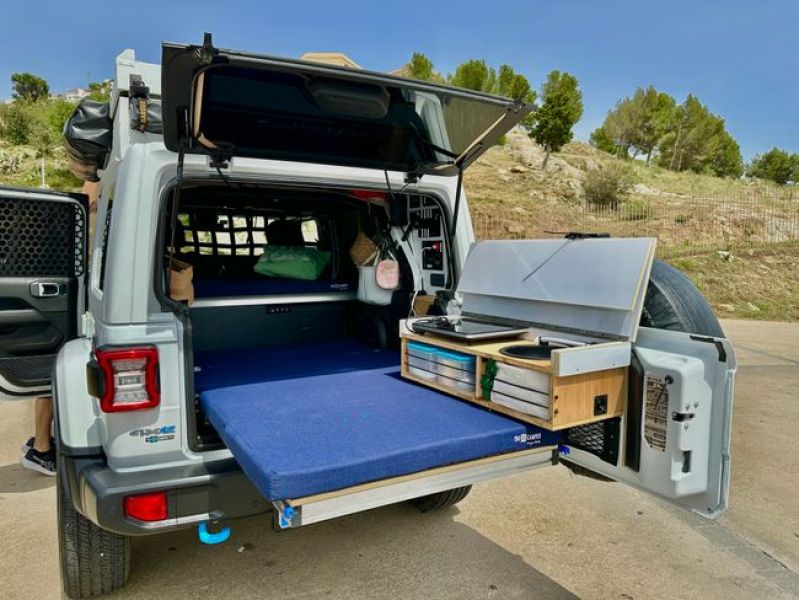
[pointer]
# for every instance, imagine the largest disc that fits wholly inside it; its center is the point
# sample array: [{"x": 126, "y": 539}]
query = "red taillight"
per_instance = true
[
  {"x": 147, "y": 507},
  {"x": 130, "y": 378}
]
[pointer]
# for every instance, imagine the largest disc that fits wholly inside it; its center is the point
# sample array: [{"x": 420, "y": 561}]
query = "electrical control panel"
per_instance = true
[{"x": 427, "y": 235}]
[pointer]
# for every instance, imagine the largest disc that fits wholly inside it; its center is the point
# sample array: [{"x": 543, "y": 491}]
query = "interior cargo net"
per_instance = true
[
  {"x": 229, "y": 234},
  {"x": 45, "y": 238},
  {"x": 215, "y": 233}
]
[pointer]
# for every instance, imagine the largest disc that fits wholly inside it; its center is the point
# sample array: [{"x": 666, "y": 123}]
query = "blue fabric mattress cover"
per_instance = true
[{"x": 295, "y": 435}]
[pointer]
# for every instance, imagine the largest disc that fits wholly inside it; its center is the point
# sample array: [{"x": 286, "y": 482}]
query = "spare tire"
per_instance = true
[{"x": 673, "y": 302}]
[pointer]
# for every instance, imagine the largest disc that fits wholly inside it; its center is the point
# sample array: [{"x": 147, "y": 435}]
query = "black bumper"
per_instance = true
[{"x": 195, "y": 493}]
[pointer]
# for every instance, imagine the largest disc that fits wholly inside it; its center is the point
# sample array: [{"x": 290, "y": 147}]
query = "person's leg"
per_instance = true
[
  {"x": 40, "y": 454},
  {"x": 43, "y": 417}
]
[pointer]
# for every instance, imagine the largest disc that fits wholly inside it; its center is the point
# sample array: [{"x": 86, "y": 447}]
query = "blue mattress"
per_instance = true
[
  {"x": 225, "y": 368},
  {"x": 267, "y": 286},
  {"x": 296, "y": 435}
]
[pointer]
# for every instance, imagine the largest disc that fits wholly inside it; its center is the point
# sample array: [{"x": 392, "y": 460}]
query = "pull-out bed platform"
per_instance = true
[{"x": 315, "y": 422}]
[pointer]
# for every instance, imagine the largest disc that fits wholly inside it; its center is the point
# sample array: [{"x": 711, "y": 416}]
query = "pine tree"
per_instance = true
[
  {"x": 475, "y": 75},
  {"x": 561, "y": 108},
  {"x": 514, "y": 85},
  {"x": 421, "y": 67},
  {"x": 775, "y": 165},
  {"x": 29, "y": 87}
]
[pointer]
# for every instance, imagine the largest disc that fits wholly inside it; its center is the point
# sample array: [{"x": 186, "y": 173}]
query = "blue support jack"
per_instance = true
[{"x": 207, "y": 537}]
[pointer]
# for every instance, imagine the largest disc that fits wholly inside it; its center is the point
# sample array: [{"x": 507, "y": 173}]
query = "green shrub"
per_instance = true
[
  {"x": 16, "y": 123},
  {"x": 57, "y": 111},
  {"x": 609, "y": 185},
  {"x": 38, "y": 124},
  {"x": 61, "y": 178}
]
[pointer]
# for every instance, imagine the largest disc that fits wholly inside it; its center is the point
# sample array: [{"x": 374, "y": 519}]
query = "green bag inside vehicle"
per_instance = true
[{"x": 292, "y": 262}]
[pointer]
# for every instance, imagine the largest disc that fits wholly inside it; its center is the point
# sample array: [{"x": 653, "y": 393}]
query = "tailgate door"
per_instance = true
[{"x": 675, "y": 439}]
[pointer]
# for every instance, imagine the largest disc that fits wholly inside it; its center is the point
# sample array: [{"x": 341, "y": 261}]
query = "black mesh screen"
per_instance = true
[
  {"x": 41, "y": 237},
  {"x": 28, "y": 370},
  {"x": 600, "y": 439}
]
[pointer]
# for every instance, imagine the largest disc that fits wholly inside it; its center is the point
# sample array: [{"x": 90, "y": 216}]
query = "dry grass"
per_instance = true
[{"x": 758, "y": 283}]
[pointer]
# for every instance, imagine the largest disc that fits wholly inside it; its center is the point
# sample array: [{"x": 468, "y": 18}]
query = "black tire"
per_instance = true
[
  {"x": 93, "y": 561},
  {"x": 441, "y": 499},
  {"x": 673, "y": 302}
]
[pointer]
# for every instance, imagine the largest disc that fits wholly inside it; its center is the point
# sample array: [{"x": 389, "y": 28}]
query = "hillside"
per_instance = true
[
  {"x": 516, "y": 167},
  {"x": 19, "y": 166},
  {"x": 718, "y": 231},
  {"x": 511, "y": 197}
]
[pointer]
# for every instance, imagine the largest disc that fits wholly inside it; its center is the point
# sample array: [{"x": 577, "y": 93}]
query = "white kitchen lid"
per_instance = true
[{"x": 594, "y": 285}]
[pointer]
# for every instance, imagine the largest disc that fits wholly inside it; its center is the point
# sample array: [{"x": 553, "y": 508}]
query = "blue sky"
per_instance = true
[{"x": 740, "y": 58}]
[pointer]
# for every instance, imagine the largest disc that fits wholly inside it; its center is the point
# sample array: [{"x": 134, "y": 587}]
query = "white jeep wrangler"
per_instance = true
[{"x": 186, "y": 404}]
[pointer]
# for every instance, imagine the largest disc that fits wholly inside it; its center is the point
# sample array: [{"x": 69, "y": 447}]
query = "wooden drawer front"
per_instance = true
[{"x": 580, "y": 399}]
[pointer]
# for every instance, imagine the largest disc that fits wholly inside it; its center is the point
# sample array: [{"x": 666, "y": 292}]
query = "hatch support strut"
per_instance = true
[{"x": 173, "y": 218}]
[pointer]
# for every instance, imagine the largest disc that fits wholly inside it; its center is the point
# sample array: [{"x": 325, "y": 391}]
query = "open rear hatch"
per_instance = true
[{"x": 226, "y": 103}]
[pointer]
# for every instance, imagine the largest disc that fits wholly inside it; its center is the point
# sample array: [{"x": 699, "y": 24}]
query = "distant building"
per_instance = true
[
  {"x": 331, "y": 58},
  {"x": 75, "y": 94}
]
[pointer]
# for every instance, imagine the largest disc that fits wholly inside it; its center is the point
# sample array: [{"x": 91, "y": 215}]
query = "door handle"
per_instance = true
[{"x": 47, "y": 289}]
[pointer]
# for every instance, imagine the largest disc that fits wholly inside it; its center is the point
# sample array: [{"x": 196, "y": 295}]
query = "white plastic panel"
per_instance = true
[
  {"x": 684, "y": 430},
  {"x": 589, "y": 285},
  {"x": 589, "y": 359}
]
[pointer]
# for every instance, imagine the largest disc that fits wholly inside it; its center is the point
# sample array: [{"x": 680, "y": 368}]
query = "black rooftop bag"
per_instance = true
[{"x": 88, "y": 134}]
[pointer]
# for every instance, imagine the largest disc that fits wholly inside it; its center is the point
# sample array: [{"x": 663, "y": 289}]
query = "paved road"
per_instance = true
[{"x": 545, "y": 534}]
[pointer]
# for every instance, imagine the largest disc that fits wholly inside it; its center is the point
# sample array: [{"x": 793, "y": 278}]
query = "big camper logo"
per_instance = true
[
  {"x": 531, "y": 439},
  {"x": 153, "y": 435}
]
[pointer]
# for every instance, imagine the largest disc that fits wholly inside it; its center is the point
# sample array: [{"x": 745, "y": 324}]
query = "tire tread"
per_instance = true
[{"x": 93, "y": 561}]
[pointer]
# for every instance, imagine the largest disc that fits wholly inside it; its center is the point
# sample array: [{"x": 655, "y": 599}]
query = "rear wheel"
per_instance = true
[
  {"x": 93, "y": 561},
  {"x": 441, "y": 499}
]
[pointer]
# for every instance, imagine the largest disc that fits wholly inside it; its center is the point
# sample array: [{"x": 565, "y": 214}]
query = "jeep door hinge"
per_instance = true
[{"x": 87, "y": 325}]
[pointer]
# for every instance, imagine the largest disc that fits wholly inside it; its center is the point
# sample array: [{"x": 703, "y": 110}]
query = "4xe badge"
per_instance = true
[{"x": 153, "y": 435}]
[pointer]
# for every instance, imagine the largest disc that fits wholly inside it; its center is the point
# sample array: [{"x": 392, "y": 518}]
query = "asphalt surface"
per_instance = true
[{"x": 543, "y": 534}]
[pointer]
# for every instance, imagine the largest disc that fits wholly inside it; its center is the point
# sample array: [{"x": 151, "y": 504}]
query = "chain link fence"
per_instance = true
[{"x": 683, "y": 224}]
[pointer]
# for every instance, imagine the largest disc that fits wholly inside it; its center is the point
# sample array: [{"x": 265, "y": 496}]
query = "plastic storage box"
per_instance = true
[
  {"x": 455, "y": 369},
  {"x": 422, "y": 360}
]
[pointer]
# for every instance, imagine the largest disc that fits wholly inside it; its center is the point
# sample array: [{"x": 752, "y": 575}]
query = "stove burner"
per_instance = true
[{"x": 527, "y": 351}]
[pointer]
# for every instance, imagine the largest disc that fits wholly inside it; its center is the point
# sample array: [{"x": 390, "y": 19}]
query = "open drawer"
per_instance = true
[{"x": 574, "y": 387}]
